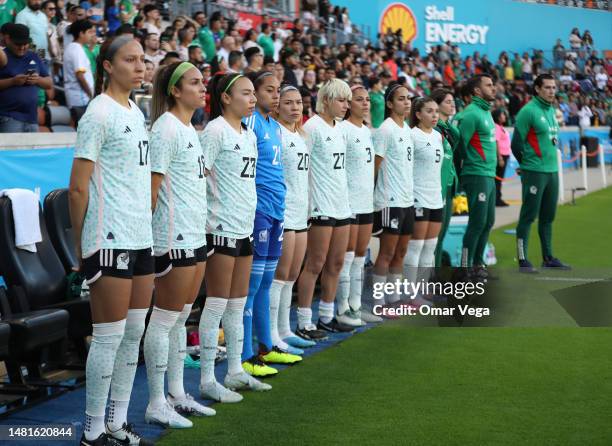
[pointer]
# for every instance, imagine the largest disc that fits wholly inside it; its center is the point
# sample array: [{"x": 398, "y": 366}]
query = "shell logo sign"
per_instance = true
[{"x": 399, "y": 16}]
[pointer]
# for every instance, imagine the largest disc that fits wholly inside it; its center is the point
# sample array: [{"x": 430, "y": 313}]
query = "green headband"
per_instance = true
[
  {"x": 231, "y": 83},
  {"x": 177, "y": 74}
]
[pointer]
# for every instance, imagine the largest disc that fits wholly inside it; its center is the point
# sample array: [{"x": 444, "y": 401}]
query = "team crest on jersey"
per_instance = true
[
  {"x": 263, "y": 236},
  {"x": 123, "y": 260},
  {"x": 418, "y": 212},
  {"x": 231, "y": 242},
  {"x": 189, "y": 253},
  {"x": 542, "y": 119},
  {"x": 236, "y": 147},
  {"x": 394, "y": 223},
  {"x": 533, "y": 190},
  {"x": 482, "y": 196}
]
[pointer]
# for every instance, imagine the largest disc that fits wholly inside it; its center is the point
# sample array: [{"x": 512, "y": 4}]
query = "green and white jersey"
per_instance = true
[
  {"x": 179, "y": 219},
  {"x": 231, "y": 159},
  {"x": 328, "y": 183},
  {"x": 394, "y": 184},
  {"x": 296, "y": 161},
  {"x": 118, "y": 213},
  {"x": 428, "y": 157},
  {"x": 359, "y": 167}
]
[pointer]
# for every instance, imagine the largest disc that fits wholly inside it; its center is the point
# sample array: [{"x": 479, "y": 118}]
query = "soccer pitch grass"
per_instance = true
[{"x": 540, "y": 381}]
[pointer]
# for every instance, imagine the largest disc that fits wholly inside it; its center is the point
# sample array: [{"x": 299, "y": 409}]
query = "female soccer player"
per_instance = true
[
  {"x": 267, "y": 231},
  {"x": 230, "y": 152},
  {"x": 110, "y": 210},
  {"x": 296, "y": 160},
  {"x": 428, "y": 155},
  {"x": 178, "y": 190},
  {"x": 329, "y": 211},
  {"x": 393, "y": 193},
  {"x": 450, "y": 140},
  {"x": 360, "y": 177}
]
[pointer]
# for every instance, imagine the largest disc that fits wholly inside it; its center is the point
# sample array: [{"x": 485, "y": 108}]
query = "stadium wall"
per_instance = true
[{"x": 487, "y": 26}]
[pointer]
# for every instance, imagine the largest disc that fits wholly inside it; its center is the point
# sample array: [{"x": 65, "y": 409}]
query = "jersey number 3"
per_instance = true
[{"x": 249, "y": 167}]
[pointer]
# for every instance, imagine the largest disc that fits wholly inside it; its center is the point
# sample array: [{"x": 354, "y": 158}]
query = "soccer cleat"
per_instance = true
[
  {"x": 277, "y": 356},
  {"x": 216, "y": 392},
  {"x": 296, "y": 341},
  {"x": 334, "y": 326},
  {"x": 310, "y": 332},
  {"x": 350, "y": 318},
  {"x": 188, "y": 406},
  {"x": 244, "y": 381},
  {"x": 368, "y": 317},
  {"x": 103, "y": 440},
  {"x": 554, "y": 263},
  {"x": 255, "y": 367},
  {"x": 166, "y": 416},
  {"x": 127, "y": 436},
  {"x": 525, "y": 266},
  {"x": 291, "y": 350}
]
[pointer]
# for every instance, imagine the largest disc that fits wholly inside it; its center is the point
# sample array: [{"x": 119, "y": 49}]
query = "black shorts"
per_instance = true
[
  {"x": 233, "y": 247},
  {"x": 362, "y": 219},
  {"x": 176, "y": 258},
  {"x": 297, "y": 231},
  {"x": 397, "y": 221},
  {"x": 425, "y": 214},
  {"x": 122, "y": 263},
  {"x": 322, "y": 220}
]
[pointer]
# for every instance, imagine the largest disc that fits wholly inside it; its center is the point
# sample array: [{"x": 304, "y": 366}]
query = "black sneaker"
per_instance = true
[
  {"x": 103, "y": 440},
  {"x": 554, "y": 263},
  {"x": 501, "y": 204},
  {"x": 311, "y": 333},
  {"x": 127, "y": 436},
  {"x": 334, "y": 326},
  {"x": 525, "y": 266}
]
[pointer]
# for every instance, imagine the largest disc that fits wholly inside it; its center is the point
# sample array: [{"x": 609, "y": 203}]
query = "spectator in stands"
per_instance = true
[
  {"x": 185, "y": 37},
  {"x": 584, "y": 116},
  {"x": 209, "y": 36},
  {"x": 127, "y": 11},
  {"x": 289, "y": 63},
  {"x": 517, "y": 66},
  {"x": 250, "y": 40},
  {"x": 152, "y": 51},
  {"x": 112, "y": 16},
  {"x": 377, "y": 102},
  {"x": 228, "y": 44},
  {"x": 254, "y": 58},
  {"x": 73, "y": 14},
  {"x": 575, "y": 40},
  {"x": 558, "y": 54},
  {"x": 235, "y": 62},
  {"x": 265, "y": 40},
  {"x": 527, "y": 67},
  {"x": 20, "y": 80},
  {"x": 564, "y": 108},
  {"x": 94, "y": 11},
  {"x": 8, "y": 11},
  {"x": 36, "y": 20},
  {"x": 502, "y": 137},
  {"x": 587, "y": 40},
  {"x": 78, "y": 74},
  {"x": 152, "y": 19},
  {"x": 49, "y": 8}
]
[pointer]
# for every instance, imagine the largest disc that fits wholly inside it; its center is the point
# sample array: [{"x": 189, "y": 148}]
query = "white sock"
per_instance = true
[
  {"x": 304, "y": 317},
  {"x": 233, "y": 328},
  {"x": 393, "y": 278},
  {"x": 428, "y": 256},
  {"x": 326, "y": 311},
  {"x": 275, "y": 297},
  {"x": 378, "y": 282},
  {"x": 411, "y": 261},
  {"x": 105, "y": 341},
  {"x": 356, "y": 276},
  {"x": 176, "y": 354},
  {"x": 344, "y": 283},
  {"x": 209, "y": 336},
  {"x": 126, "y": 363},
  {"x": 284, "y": 311},
  {"x": 156, "y": 345}
]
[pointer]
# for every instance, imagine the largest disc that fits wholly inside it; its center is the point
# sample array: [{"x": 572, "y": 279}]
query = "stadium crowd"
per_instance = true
[{"x": 52, "y": 59}]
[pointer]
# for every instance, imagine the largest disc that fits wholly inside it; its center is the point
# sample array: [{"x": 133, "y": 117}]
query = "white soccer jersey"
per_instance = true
[
  {"x": 179, "y": 219},
  {"x": 328, "y": 183},
  {"x": 118, "y": 213},
  {"x": 296, "y": 161},
  {"x": 428, "y": 156},
  {"x": 231, "y": 159},
  {"x": 359, "y": 167},
  {"x": 394, "y": 184}
]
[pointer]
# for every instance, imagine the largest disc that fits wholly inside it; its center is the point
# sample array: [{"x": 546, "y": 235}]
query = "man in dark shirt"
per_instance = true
[
  {"x": 289, "y": 62},
  {"x": 20, "y": 80}
]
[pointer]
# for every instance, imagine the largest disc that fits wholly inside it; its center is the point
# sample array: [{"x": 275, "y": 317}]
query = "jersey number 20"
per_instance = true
[
  {"x": 304, "y": 161},
  {"x": 249, "y": 167}
]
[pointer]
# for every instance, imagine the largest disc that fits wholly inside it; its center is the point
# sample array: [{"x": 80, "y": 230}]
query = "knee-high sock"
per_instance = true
[
  {"x": 156, "y": 345},
  {"x": 257, "y": 271},
  {"x": 326, "y": 311},
  {"x": 177, "y": 352},
  {"x": 261, "y": 306},
  {"x": 234, "y": 333},
  {"x": 394, "y": 278},
  {"x": 284, "y": 310},
  {"x": 105, "y": 341},
  {"x": 411, "y": 262},
  {"x": 209, "y": 336},
  {"x": 344, "y": 283},
  {"x": 356, "y": 277},
  {"x": 427, "y": 259},
  {"x": 125, "y": 367},
  {"x": 304, "y": 317},
  {"x": 275, "y": 311}
]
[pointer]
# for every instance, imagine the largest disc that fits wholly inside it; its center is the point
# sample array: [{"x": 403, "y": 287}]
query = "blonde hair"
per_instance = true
[{"x": 330, "y": 90}]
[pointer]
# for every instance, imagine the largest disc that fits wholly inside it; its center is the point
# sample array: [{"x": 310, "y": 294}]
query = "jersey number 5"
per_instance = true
[
  {"x": 249, "y": 167},
  {"x": 143, "y": 145},
  {"x": 438, "y": 155},
  {"x": 339, "y": 163}
]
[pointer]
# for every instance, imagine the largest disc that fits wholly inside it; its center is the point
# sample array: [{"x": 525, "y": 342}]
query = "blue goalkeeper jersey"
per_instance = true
[{"x": 269, "y": 177}]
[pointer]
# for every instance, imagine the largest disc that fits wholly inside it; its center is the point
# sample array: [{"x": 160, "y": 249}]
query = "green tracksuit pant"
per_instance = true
[
  {"x": 480, "y": 193},
  {"x": 540, "y": 196},
  {"x": 446, "y": 216}
]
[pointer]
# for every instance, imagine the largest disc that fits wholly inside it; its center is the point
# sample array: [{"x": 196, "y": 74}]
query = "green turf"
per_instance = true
[{"x": 540, "y": 380}]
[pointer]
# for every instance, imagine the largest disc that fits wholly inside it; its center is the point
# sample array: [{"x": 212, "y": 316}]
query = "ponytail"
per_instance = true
[
  {"x": 219, "y": 84},
  {"x": 162, "y": 102}
]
